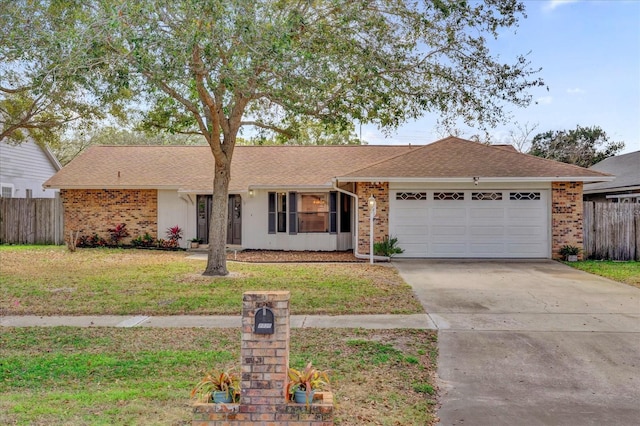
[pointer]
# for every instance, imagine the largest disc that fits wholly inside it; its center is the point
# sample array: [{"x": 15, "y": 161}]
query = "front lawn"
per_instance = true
[
  {"x": 624, "y": 272},
  {"x": 143, "y": 376},
  {"x": 50, "y": 280}
]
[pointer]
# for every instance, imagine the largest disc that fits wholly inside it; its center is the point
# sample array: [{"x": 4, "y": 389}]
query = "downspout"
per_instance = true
[{"x": 355, "y": 248}]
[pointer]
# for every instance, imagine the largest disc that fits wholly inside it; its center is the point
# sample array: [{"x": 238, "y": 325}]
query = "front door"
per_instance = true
[{"x": 234, "y": 218}]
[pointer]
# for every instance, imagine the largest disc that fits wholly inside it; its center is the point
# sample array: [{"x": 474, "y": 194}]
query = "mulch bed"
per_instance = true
[{"x": 269, "y": 256}]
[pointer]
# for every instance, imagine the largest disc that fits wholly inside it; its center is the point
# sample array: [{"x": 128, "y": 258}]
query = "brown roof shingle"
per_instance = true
[
  {"x": 458, "y": 158},
  {"x": 190, "y": 168}
]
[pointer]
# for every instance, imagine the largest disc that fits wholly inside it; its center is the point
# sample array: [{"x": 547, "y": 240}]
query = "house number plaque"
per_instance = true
[{"x": 264, "y": 321}]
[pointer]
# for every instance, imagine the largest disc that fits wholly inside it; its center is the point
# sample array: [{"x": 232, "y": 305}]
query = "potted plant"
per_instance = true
[
  {"x": 303, "y": 384},
  {"x": 218, "y": 386},
  {"x": 195, "y": 242},
  {"x": 570, "y": 253}
]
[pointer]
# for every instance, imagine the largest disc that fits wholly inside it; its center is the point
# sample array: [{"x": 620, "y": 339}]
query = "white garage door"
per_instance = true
[{"x": 471, "y": 223}]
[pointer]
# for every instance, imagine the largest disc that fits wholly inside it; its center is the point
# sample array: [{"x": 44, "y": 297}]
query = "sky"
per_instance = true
[{"x": 589, "y": 52}]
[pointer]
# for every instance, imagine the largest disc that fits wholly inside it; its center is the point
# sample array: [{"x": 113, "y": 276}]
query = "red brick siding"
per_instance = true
[
  {"x": 381, "y": 223},
  {"x": 566, "y": 216},
  {"x": 92, "y": 211}
]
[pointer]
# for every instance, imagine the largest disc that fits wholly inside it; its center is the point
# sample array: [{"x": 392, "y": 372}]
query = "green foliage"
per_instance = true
[
  {"x": 583, "y": 146},
  {"x": 569, "y": 250},
  {"x": 145, "y": 240},
  {"x": 388, "y": 247},
  {"x": 308, "y": 380},
  {"x": 212, "y": 67},
  {"x": 217, "y": 381},
  {"x": 624, "y": 272}
]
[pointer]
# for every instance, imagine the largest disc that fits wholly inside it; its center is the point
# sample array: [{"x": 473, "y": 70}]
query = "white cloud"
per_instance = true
[
  {"x": 576, "y": 91},
  {"x": 545, "y": 100},
  {"x": 554, "y": 4}
]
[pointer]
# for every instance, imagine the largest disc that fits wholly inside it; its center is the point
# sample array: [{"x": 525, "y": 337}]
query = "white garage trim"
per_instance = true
[{"x": 471, "y": 223}]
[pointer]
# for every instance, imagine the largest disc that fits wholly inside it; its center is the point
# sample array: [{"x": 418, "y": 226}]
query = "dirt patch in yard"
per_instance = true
[{"x": 275, "y": 256}]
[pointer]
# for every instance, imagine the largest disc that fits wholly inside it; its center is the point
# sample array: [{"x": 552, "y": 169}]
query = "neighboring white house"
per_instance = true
[{"x": 24, "y": 168}]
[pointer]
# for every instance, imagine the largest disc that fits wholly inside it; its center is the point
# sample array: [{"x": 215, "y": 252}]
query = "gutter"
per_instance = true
[{"x": 355, "y": 248}]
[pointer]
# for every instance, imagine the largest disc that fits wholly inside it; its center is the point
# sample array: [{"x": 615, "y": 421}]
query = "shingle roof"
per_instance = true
[
  {"x": 190, "y": 168},
  {"x": 625, "y": 167},
  {"x": 457, "y": 158}
]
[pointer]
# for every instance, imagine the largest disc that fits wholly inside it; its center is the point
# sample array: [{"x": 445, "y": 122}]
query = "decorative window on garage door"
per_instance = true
[
  {"x": 411, "y": 196},
  {"x": 516, "y": 196},
  {"x": 455, "y": 196},
  {"x": 490, "y": 196}
]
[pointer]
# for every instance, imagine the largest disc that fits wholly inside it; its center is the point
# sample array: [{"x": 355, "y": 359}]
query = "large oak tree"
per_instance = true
[{"x": 214, "y": 66}]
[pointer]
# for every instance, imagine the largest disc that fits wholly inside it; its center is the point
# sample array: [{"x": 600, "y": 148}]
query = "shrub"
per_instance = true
[
  {"x": 118, "y": 233},
  {"x": 388, "y": 247}
]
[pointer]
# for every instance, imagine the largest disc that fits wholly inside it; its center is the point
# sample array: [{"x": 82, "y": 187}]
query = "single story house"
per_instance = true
[
  {"x": 625, "y": 188},
  {"x": 450, "y": 199}
]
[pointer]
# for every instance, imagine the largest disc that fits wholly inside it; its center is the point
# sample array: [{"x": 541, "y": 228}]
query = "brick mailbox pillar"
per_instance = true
[
  {"x": 264, "y": 357},
  {"x": 264, "y": 352}
]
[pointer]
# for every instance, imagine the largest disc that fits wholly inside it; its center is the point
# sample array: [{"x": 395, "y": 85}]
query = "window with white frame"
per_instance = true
[
  {"x": 313, "y": 212},
  {"x": 7, "y": 191}
]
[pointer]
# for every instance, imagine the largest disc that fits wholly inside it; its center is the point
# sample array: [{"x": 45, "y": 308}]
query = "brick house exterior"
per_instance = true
[
  {"x": 278, "y": 190},
  {"x": 90, "y": 211}
]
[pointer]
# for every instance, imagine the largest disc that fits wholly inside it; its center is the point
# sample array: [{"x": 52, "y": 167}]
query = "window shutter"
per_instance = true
[
  {"x": 333, "y": 212},
  {"x": 293, "y": 213},
  {"x": 272, "y": 212}
]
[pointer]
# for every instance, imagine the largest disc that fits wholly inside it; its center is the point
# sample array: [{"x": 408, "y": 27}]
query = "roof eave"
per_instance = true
[
  {"x": 159, "y": 187},
  {"x": 611, "y": 189},
  {"x": 471, "y": 179}
]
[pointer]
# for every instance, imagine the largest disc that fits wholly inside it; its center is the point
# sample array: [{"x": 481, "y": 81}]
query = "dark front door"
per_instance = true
[
  {"x": 234, "y": 220},
  {"x": 204, "y": 216}
]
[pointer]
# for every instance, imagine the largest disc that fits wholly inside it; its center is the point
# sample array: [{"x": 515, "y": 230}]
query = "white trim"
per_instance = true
[
  {"x": 612, "y": 189},
  {"x": 636, "y": 195},
  {"x": 480, "y": 179}
]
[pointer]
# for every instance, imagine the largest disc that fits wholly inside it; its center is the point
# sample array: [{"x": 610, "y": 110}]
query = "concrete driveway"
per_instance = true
[{"x": 531, "y": 342}]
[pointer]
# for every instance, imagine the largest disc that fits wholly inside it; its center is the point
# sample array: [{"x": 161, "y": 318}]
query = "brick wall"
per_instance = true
[
  {"x": 92, "y": 211},
  {"x": 381, "y": 223},
  {"x": 566, "y": 216}
]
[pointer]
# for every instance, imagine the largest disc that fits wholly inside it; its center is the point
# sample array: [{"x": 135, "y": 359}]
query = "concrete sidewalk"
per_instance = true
[{"x": 417, "y": 321}]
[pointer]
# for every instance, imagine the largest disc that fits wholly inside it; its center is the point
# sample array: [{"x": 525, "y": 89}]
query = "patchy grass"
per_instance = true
[
  {"x": 50, "y": 280},
  {"x": 624, "y": 272},
  {"x": 109, "y": 376}
]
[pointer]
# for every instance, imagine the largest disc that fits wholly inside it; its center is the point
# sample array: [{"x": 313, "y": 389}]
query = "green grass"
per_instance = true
[
  {"x": 143, "y": 376},
  {"x": 624, "y": 272},
  {"x": 49, "y": 280}
]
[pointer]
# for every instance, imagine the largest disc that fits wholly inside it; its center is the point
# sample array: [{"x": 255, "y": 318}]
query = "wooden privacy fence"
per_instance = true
[
  {"x": 31, "y": 221},
  {"x": 612, "y": 231}
]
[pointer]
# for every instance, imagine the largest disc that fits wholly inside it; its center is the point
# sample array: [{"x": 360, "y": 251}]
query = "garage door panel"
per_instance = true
[
  {"x": 487, "y": 213},
  {"x": 525, "y": 249},
  {"x": 486, "y": 231},
  {"x": 471, "y": 226},
  {"x": 529, "y": 231},
  {"x": 448, "y": 230},
  {"x": 448, "y": 249},
  {"x": 524, "y": 213},
  {"x": 446, "y": 215},
  {"x": 485, "y": 249}
]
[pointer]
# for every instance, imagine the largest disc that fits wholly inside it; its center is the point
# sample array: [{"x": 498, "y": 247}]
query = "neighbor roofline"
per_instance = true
[{"x": 611, "y": 189}]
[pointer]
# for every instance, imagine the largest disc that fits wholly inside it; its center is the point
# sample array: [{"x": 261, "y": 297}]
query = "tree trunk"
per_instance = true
[{"x": 217, "y": 258}]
